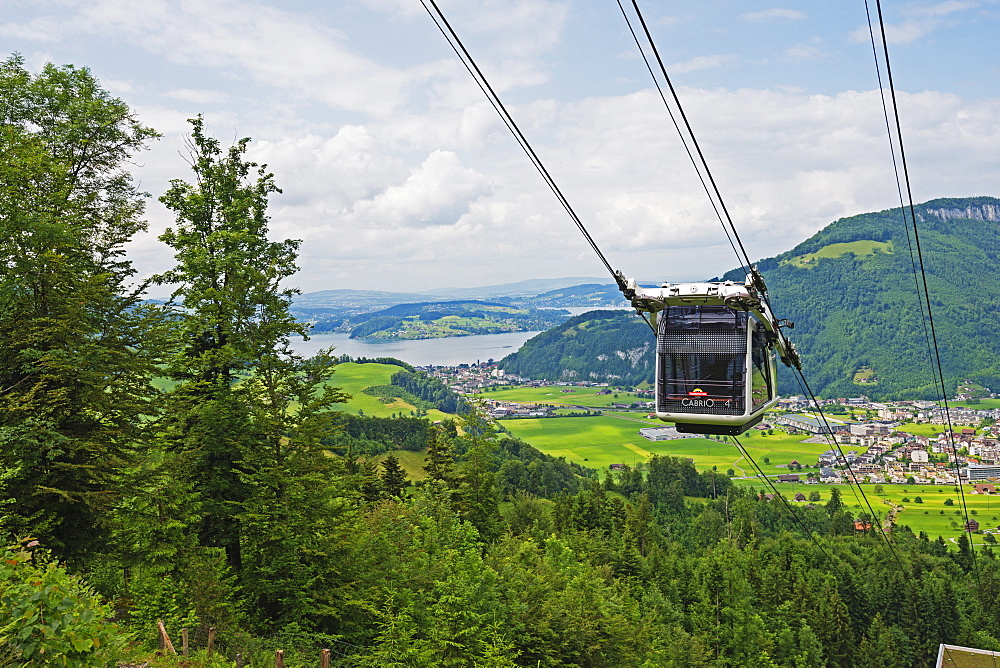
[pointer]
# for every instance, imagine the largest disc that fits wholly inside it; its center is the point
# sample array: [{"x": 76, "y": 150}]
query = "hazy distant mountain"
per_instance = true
[
  {"x": 589, "y": 294},
  {"x": 333, "y": 310},
  {"x": 528, "y": 288},
  {"x": 433, "y": 320},
  {"x": 355, "y": 298},
  {"x": 851, "y": 291}
]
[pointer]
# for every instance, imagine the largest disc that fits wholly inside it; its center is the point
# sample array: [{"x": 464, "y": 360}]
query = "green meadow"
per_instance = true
[
  {"x": 931, "y": 516},
  {"x": 861, "y": 248},
  {"x": 981, "y": 404},
  {"x": 613, "y": 438},
  {"x": 352, "y": 378},
  {"x": 559, "y": 395}
]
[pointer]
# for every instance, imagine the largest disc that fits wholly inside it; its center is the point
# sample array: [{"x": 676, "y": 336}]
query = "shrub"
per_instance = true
[{"x": 50, "y": 618}]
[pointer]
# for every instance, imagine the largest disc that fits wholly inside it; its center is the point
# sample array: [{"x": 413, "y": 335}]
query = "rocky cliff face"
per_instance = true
[{"x": 981, "y": 211}]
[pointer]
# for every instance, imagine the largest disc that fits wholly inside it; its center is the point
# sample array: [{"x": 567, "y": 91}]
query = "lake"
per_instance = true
[{"x": 451, "y": 351}]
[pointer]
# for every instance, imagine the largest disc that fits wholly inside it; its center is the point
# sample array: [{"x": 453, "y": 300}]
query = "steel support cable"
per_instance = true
[
  {"x": 694, "y": 140},
  {"x": 680, "y": 133},
  {"x": 791, "y": 511},
  {"x": 926, "y": 292},
  {"x": 744, "y": 261},
  {"x": 484, "y": 85},
  {"x": 899, "y": 188},
  {"x": 803, "y": 383}
]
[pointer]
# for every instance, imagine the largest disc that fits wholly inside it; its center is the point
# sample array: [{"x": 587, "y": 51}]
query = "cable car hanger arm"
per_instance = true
[{"x": 748, "y": 296}]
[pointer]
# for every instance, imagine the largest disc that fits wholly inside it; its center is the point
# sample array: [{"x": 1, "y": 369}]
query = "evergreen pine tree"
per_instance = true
[{"x": 393, "y": 477}]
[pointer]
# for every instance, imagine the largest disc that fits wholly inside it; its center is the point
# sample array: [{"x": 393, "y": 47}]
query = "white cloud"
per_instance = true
[
  {"x": 800, "y": 52},
  {"x": 266, "y": 44},
  {"x": 438, "y": 192},
  {"x": 198, "y": 96},
  {"x": 940, "y": 8},
  {"x": 924, "y": 20},
  {"x": 773, "y": 15},
  {"x": 404, "y": 174},
  {"x": 702, "y": 63},
  {"x": 36, "y": 28},
  {"x": 787, "y": 164}
]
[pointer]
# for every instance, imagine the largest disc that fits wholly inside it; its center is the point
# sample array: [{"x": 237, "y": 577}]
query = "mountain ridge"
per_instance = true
[{"x": 855, "y": 304}]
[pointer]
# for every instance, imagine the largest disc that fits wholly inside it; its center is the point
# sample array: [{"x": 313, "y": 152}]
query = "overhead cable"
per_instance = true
[{"x": 470, "y": 64}]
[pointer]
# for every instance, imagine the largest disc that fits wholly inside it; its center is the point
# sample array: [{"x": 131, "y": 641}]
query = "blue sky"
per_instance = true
[{"x": 398, "y": 176}]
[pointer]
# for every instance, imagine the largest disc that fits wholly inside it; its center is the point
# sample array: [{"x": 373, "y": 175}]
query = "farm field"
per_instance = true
[
  {"x": 555, "y": 395},
  {"x": 926, "y": 516},
  {"x": 982, "y": 404},
  {"x": 613, "y": 438}
]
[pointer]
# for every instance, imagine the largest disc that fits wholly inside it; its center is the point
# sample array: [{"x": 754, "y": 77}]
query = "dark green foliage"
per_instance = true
[
  {"x": 78, "y": 347},
  {"x": 393, "y": 477},
  {"x": 362, "y": 435},
  {"x": 601, "y": 346},
  {"x": 431, "y": 390},
  {"x": 248, "y": 416},
  {"x": 390, "y": 392},
  {"x": 522, "y": 468}
]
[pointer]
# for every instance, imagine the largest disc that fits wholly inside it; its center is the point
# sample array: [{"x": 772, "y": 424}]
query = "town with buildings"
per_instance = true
[{"x": 876, "y": 449}]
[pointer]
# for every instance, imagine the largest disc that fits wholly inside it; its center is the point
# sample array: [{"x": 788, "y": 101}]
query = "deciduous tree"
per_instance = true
[{"x": 77, "y": 346}]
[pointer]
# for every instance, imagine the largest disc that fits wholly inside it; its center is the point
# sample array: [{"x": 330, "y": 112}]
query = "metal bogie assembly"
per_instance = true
[{"x": 715, "y": 352}]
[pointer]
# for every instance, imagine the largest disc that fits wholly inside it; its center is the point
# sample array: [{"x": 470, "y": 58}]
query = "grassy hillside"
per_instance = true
[{"x": 353, "y": 378}]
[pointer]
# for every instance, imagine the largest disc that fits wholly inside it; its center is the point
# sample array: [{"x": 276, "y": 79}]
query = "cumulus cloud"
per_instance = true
[
  {"x": 438, "y": 192},
  {"x": 787, "y": 164},
  {"x": 403, "y": 174}
]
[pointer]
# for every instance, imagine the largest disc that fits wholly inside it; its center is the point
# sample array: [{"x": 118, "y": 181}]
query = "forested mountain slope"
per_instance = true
[
  {"x": 852, "y": 293},
  {"x": 599, "y": 346}
]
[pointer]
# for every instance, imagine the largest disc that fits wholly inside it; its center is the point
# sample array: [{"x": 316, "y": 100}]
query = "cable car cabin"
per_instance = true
[
  {"x": 715, "y": 371},
  {"x": 715, "y": 353}
]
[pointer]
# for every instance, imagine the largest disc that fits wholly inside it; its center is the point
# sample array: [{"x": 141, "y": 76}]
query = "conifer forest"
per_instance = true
[{"x": 180, "y": 463}]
